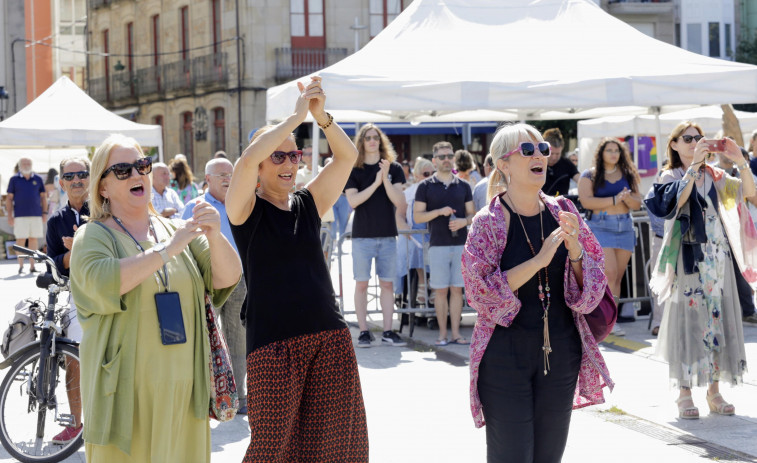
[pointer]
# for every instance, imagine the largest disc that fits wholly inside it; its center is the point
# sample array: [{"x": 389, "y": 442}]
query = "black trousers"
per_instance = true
[
  {"x": 745, "y": 291},
  {"x": 527, "y": 413}
]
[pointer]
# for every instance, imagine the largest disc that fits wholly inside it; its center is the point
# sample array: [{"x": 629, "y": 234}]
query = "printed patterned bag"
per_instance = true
[{"x": 224, "y": 399}]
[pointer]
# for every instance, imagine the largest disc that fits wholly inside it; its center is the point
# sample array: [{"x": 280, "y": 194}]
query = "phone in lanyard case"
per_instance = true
[{"x": 170, "y": 318}]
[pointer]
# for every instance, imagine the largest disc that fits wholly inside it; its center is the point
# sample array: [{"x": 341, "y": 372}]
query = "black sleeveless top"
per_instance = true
[
  {"x": 289, "y": 290},
  {"x": 529, "y": 318}
]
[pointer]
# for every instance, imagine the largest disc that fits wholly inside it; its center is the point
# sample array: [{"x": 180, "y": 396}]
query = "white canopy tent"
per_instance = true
[
  {"x": 473, "y": 60},
  {"x": 64, "y": 116}
]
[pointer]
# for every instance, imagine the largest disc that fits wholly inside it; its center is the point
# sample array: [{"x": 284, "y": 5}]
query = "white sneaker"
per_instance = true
[{"x": 617, "y": 331}]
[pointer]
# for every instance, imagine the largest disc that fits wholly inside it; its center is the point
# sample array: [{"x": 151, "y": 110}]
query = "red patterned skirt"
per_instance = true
[{"x": 304, "y": 401}]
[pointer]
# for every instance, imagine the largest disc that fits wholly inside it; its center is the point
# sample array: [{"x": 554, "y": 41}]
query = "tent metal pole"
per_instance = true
[{"x": 316, "y": 151}]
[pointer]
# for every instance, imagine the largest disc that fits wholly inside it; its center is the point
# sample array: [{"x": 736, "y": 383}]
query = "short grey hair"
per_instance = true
[
  {"x": 214, "y": 162},
  {"x": 159, "y": 164}
]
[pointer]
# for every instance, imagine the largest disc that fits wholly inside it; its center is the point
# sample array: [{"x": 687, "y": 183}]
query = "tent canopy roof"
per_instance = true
[
  {"x": 470, "y": 60},
  {"x": 65, "y": 116}
]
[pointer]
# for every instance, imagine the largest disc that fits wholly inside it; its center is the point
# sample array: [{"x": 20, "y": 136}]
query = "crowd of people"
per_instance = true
[{"x": 144, "y": 242}]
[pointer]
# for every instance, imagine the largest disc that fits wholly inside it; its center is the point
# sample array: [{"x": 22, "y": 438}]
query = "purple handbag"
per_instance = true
[{"x": 602, "y": 319}]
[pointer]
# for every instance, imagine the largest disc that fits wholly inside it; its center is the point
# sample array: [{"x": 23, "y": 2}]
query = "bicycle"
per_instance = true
[{"x": 33, "y": 394}]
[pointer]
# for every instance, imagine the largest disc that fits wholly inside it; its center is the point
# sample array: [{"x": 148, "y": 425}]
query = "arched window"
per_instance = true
[
  {"x": 187, "y": 136},
  {"x": 219, "y": 129}
]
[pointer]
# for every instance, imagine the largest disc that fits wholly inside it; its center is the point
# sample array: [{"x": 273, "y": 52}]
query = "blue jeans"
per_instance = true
[
  {"x": 342, "y": 212},
  {"x": 384, "y": 250}
]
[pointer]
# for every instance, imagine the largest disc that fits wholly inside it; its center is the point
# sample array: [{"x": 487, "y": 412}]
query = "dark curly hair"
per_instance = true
[{"x": 627, "y": 168}]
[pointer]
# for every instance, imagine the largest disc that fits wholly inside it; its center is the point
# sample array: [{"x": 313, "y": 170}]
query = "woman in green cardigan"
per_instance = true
[{"x": 145, "y": 391}]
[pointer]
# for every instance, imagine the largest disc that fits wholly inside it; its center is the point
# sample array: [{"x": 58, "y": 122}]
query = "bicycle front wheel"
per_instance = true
[{"x": 27, "y": 426}]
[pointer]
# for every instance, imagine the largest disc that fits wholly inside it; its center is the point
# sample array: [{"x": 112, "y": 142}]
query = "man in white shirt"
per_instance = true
[{"x": 164, "y": 199}]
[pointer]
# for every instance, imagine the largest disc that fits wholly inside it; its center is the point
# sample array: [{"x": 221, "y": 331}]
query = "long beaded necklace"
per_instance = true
[{"x": 545, "y": 302}]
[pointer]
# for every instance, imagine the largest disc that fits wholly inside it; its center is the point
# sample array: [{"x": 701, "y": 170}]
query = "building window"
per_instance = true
[
  {"x": 106, "y": 51},
  {"x": 156, "y": 40},
  {"x": 130, "y": 46},
  {"x": 694, "y": 37},
  {"x": 158, "y": 120},
  {"x": 219, "y": 130},
  {"x": 306, "y": 20},
  {"x": 184, "y": 32},
  {"x": 216, "y": 6},
  {"x": 714, "y": 39},
  {"x": 187, "y": 135},
  {"x": 728, "y": 43},
  {"x": 381, "y": 13}
]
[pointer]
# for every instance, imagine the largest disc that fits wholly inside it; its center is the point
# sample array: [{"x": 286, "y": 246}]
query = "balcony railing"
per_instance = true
[
  {"x": 123, "y": 85},
  {"x": 292, "y": 63},
  {"x": 180, "y": 76},
  {"x": 149, "y": 80},
  {"x": 210, "y": 69},
  {"x": 93, "y": 4},
  {"x": 98, "y": 89},
  {"x": 640, "y": 1}
]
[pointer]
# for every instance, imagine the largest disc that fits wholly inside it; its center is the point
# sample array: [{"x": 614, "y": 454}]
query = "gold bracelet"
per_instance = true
[{"x": 327, "y": 124}]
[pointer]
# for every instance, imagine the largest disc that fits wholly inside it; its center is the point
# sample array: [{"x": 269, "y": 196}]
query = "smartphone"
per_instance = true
[
  {"x": 169, "y": 318},
  {"x": 715, "y": 146}
]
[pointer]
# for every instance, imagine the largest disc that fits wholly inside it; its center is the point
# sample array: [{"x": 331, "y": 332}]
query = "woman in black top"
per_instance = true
[{"x": 304, "y": 399}]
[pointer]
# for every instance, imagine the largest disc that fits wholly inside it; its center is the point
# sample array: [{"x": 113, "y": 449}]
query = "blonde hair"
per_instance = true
[
  {"x": 99, "y": 207},
  {"x": 386, "y": 149},
  {"x": 505, "y": 140},
  {"x": 421, "y": 164}
]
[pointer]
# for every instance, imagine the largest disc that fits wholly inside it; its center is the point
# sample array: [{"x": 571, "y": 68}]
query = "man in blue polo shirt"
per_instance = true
[
  {"x": 218, "y": 175},
  {"x": 63, "y": 223},
  {"x": 446, "y": 202},
  {"x": 26, "y": 205}
]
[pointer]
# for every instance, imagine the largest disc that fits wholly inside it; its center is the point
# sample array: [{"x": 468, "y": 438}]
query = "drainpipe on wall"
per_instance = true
[{"x": 239, "y": 83}]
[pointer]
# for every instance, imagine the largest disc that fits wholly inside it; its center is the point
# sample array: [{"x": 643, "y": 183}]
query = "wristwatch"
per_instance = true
[{"x": 160, "y": 248}]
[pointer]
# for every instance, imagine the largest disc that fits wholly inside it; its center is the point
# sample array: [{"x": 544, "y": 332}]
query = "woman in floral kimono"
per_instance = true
[
  {"x": 707, "y": 224},
  {"x": 531, "y": 268}
]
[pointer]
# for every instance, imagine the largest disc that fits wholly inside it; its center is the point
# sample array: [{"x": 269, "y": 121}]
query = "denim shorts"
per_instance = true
[
  {"x": 384, "y": 250},
  {"x": 613, "y": 231},
  {"x": 445, "y": 266}
]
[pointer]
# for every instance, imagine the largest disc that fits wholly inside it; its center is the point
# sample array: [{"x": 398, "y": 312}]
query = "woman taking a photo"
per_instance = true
[
  {"x": 707, "y": 224},
  {"x": 145, "y": 390},
  {"x": 532, "y": 268},
  {"x": 610, "y": 190},
  {"x": 304, "y": 399}
]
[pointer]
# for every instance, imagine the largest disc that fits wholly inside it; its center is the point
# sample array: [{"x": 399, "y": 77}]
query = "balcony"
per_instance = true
[
  {"x": 640, "y": 7},
  {"x": 149, "y": 80},
  {"x": 292, "y": 63},
  {"x": 94, "y": 4},
  {"x": 123, "y": 85},
  {"x": 152, "y": 83},
  {"x": 178, "y": 75},
  {"x": 98, "y": 89},
  {"x": 210, "y": 69}
]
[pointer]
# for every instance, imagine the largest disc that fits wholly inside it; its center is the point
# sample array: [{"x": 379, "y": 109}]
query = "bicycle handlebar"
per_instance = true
[{"x": 42, "y": 257}]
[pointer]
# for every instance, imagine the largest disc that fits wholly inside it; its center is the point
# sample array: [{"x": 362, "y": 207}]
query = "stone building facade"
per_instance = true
[{"x": 200, "y": 68}]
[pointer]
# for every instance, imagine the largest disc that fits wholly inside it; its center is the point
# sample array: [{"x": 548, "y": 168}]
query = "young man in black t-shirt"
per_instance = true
[
  {"x": 445, "y": 201},
  {"x": 373, "y": 190},
  {"x": 560, "y": 170}
]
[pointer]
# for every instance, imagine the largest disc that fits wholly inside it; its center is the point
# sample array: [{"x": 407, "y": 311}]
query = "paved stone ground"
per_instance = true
[{"x": 418, "y": 410}]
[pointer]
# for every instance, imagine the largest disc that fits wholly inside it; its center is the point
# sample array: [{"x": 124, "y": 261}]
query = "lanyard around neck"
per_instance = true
[{"x": 164, "y": 276}]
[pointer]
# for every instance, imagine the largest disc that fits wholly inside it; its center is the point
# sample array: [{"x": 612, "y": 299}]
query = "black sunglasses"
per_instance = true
[
  {"x": 122, "y": 170},
  {"x": 279, "y": 156},
  {"x": 428, "y": 174},
  {"x": 444, "y": 156},
  {"x": 68, "y": 176},
  {"x": 688, "y": 138}
]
